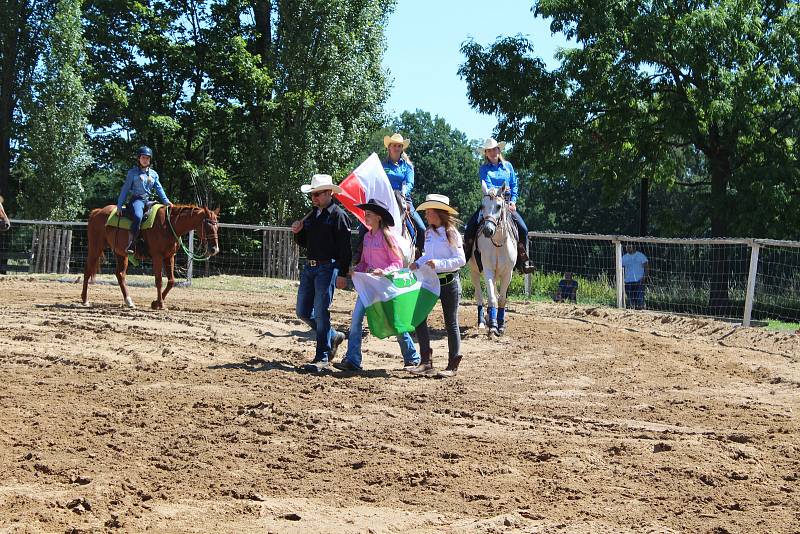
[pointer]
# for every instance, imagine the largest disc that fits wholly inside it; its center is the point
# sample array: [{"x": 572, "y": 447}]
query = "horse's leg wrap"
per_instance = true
[
  {"x": 492, "y": 316},
  {"x": 501, "y": 317},
  {"x": 480, "y": 315}
]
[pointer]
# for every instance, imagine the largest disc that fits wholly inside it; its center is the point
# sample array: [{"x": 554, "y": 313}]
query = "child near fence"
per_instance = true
[
  {"x": 380, "y": 254},
  {"x": 444, "y": 252}
]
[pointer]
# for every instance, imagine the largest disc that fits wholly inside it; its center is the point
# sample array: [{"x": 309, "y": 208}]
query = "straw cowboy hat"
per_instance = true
[
  {"x": 490, "y": 144},
  {"x": 379, "y": 209},
  {"x": 395, "y": 138},
  {"x": 437, "y": 202},
  {"x": 320, "y": 182}
]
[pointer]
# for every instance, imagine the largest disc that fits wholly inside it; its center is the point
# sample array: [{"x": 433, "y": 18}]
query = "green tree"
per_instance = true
[
  {"x": 244, "y": 100},
  {"x": 55, "y": 151},
  {"x": 445, "y": 161},
  {"x": 21, "y": 27},
  {"x": 650, "y": 78}
]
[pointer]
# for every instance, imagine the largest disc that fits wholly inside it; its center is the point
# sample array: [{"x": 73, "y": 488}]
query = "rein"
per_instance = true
[
  {"x": 499, "y": 222},
  {"x": 191, "y": 255}
]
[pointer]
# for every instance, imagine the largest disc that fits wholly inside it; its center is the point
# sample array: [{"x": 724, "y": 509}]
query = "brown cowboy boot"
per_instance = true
[
  {"x": 524, "y": 265},
  {"x": 452, "y": 367},
  {"x": 130, "y": 249},
  {"x": 425, "y": 367}
]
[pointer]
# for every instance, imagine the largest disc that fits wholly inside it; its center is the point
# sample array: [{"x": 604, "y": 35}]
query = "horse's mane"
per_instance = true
[{"x": 186, "y": 210}]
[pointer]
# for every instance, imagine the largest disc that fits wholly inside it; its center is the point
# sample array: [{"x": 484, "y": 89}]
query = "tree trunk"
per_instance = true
[
  {"x": 7, "y": 98},
  {"x": 720, "y": 273},
  {"x": 644, "y": 202},
  {"x": 262, "y": 11}
]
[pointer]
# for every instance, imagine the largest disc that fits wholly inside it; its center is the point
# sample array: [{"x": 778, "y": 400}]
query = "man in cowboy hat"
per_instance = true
[
  {"x": 325, "y": 232},
  {"x": 495, "y": 172}
]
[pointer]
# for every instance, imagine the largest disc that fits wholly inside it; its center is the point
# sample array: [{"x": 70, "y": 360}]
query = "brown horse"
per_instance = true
[
  {"x": 161, "y": 243},
  {"x": 5, "y": 224}
]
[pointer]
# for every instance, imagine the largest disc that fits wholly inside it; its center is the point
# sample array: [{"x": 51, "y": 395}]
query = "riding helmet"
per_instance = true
[{"x": 144, "y": 151}]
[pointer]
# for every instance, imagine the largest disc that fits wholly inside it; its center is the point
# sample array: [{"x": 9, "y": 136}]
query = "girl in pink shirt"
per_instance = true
[{"x": 379, "y": 256}]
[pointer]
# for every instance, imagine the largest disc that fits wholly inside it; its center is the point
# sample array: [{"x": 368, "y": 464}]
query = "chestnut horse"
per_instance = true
[
  {"x": 161, "y": 243},
  {"x": 5, "y": 224}
]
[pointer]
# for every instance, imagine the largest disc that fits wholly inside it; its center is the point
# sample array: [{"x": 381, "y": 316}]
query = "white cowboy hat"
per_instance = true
[
  {"x": 490, "y": 144},
  {"x": 437, "y": 202},
  {"x": 320, "y": 182},
  {"x": 395, "y": 138}
]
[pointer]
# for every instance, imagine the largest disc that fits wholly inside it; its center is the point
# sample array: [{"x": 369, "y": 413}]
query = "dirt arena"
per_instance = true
[{"x": 196, "y": 419}]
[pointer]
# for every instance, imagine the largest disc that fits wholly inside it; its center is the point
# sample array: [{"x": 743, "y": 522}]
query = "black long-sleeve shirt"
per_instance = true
[{"x": 326, "y": 235}]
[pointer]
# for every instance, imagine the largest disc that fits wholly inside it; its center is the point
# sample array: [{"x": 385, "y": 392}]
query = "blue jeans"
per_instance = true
[
  {"x": 634, "y": 291},
  {"x": 407, "y": 349},
  {"x": 135, "y": 212},
  {"x": 314, "y": 297},
  {"x": 419, "y": 226}
]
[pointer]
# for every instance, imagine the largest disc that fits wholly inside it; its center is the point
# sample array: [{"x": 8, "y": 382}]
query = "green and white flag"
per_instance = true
[{"x": 398, "y": 301}]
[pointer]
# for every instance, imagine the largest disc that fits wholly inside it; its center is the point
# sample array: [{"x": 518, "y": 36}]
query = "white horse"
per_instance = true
[{"x": 498, "y": 250}]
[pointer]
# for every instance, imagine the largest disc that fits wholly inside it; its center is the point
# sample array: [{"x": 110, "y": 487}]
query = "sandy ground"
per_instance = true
[{"x": 195, "y": 419}]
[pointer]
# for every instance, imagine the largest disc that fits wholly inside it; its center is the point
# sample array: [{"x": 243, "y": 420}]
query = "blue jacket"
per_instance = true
[
  {"x": 401, "y": 176},
  {"x": 141, "y": 184},
  {"x": 494, "y": 176}
]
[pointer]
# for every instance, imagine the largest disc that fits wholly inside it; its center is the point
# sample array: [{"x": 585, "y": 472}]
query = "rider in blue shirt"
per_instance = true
[
  {"x": 400, "y": 171},
  {"x": 494, "y": 173},
  {"x": 141, "y": 182}
]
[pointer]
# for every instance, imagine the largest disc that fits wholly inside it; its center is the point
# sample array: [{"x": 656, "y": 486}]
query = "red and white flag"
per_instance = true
[{"x": 368, "y": 182}]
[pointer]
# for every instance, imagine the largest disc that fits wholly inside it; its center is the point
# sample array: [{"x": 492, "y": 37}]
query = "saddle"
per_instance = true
[{"x": 117, "y": 220}]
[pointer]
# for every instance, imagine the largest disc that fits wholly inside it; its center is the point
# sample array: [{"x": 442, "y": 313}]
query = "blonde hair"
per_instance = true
[
  {"x": 449, "y": 223},
  {"x": 499, "y": 155},
  {"x": 403, "y": 156}
]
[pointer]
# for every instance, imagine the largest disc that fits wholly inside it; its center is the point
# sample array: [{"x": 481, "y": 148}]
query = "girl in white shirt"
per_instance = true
[{"x": 444, "y": 252}]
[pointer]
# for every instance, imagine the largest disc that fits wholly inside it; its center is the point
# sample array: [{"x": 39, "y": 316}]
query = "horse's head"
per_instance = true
[
  {"x": 5, "y": 224},
  {"x": 209, "y": 229},
  {"x": 491, "y": 211}
]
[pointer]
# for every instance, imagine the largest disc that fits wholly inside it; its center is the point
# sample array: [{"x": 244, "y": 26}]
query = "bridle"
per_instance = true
[
  {"x": 208, "y": 232},
  {"x": 205, "y": 236},
  {"x": 498, "y": 221}
]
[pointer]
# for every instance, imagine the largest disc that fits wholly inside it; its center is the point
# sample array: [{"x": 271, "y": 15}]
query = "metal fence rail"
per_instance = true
[{"x": 760, "y": 277}]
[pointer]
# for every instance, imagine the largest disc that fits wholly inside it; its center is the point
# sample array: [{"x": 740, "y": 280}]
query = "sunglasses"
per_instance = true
[{"x": 315, "y": 194}]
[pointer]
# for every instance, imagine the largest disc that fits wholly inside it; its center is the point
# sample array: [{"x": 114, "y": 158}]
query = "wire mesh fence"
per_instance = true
[{"x": 742, "y": 279}]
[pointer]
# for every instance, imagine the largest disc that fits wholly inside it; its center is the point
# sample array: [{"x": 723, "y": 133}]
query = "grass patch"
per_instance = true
[
  {"x": 544, "y": 287},
  {"x": 780, "y": 326}
]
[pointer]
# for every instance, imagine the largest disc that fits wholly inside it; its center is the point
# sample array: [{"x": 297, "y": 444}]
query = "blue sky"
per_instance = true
[{"x": 423, "y": 53}]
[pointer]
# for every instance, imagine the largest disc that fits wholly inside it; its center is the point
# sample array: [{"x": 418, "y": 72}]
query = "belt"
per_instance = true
[
  {"x": 314, "y": 263},
  {"x": 446, "y": 278}
]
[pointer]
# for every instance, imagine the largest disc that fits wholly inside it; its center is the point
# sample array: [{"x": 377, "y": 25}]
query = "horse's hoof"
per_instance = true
[
  {"x": 86, "y": 304},
  {"x": 481, "y": 326},
  {"x": 156, "y": 305},
  {"x": 129, "y": 303}
]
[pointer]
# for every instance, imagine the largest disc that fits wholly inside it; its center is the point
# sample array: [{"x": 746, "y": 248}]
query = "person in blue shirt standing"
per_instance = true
[
  {"x": 495, "y": 172},
  {"x": 636, "y": 269},
  {"x": 140, "y": 183},
  {"x": 400, "y": 171}
]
